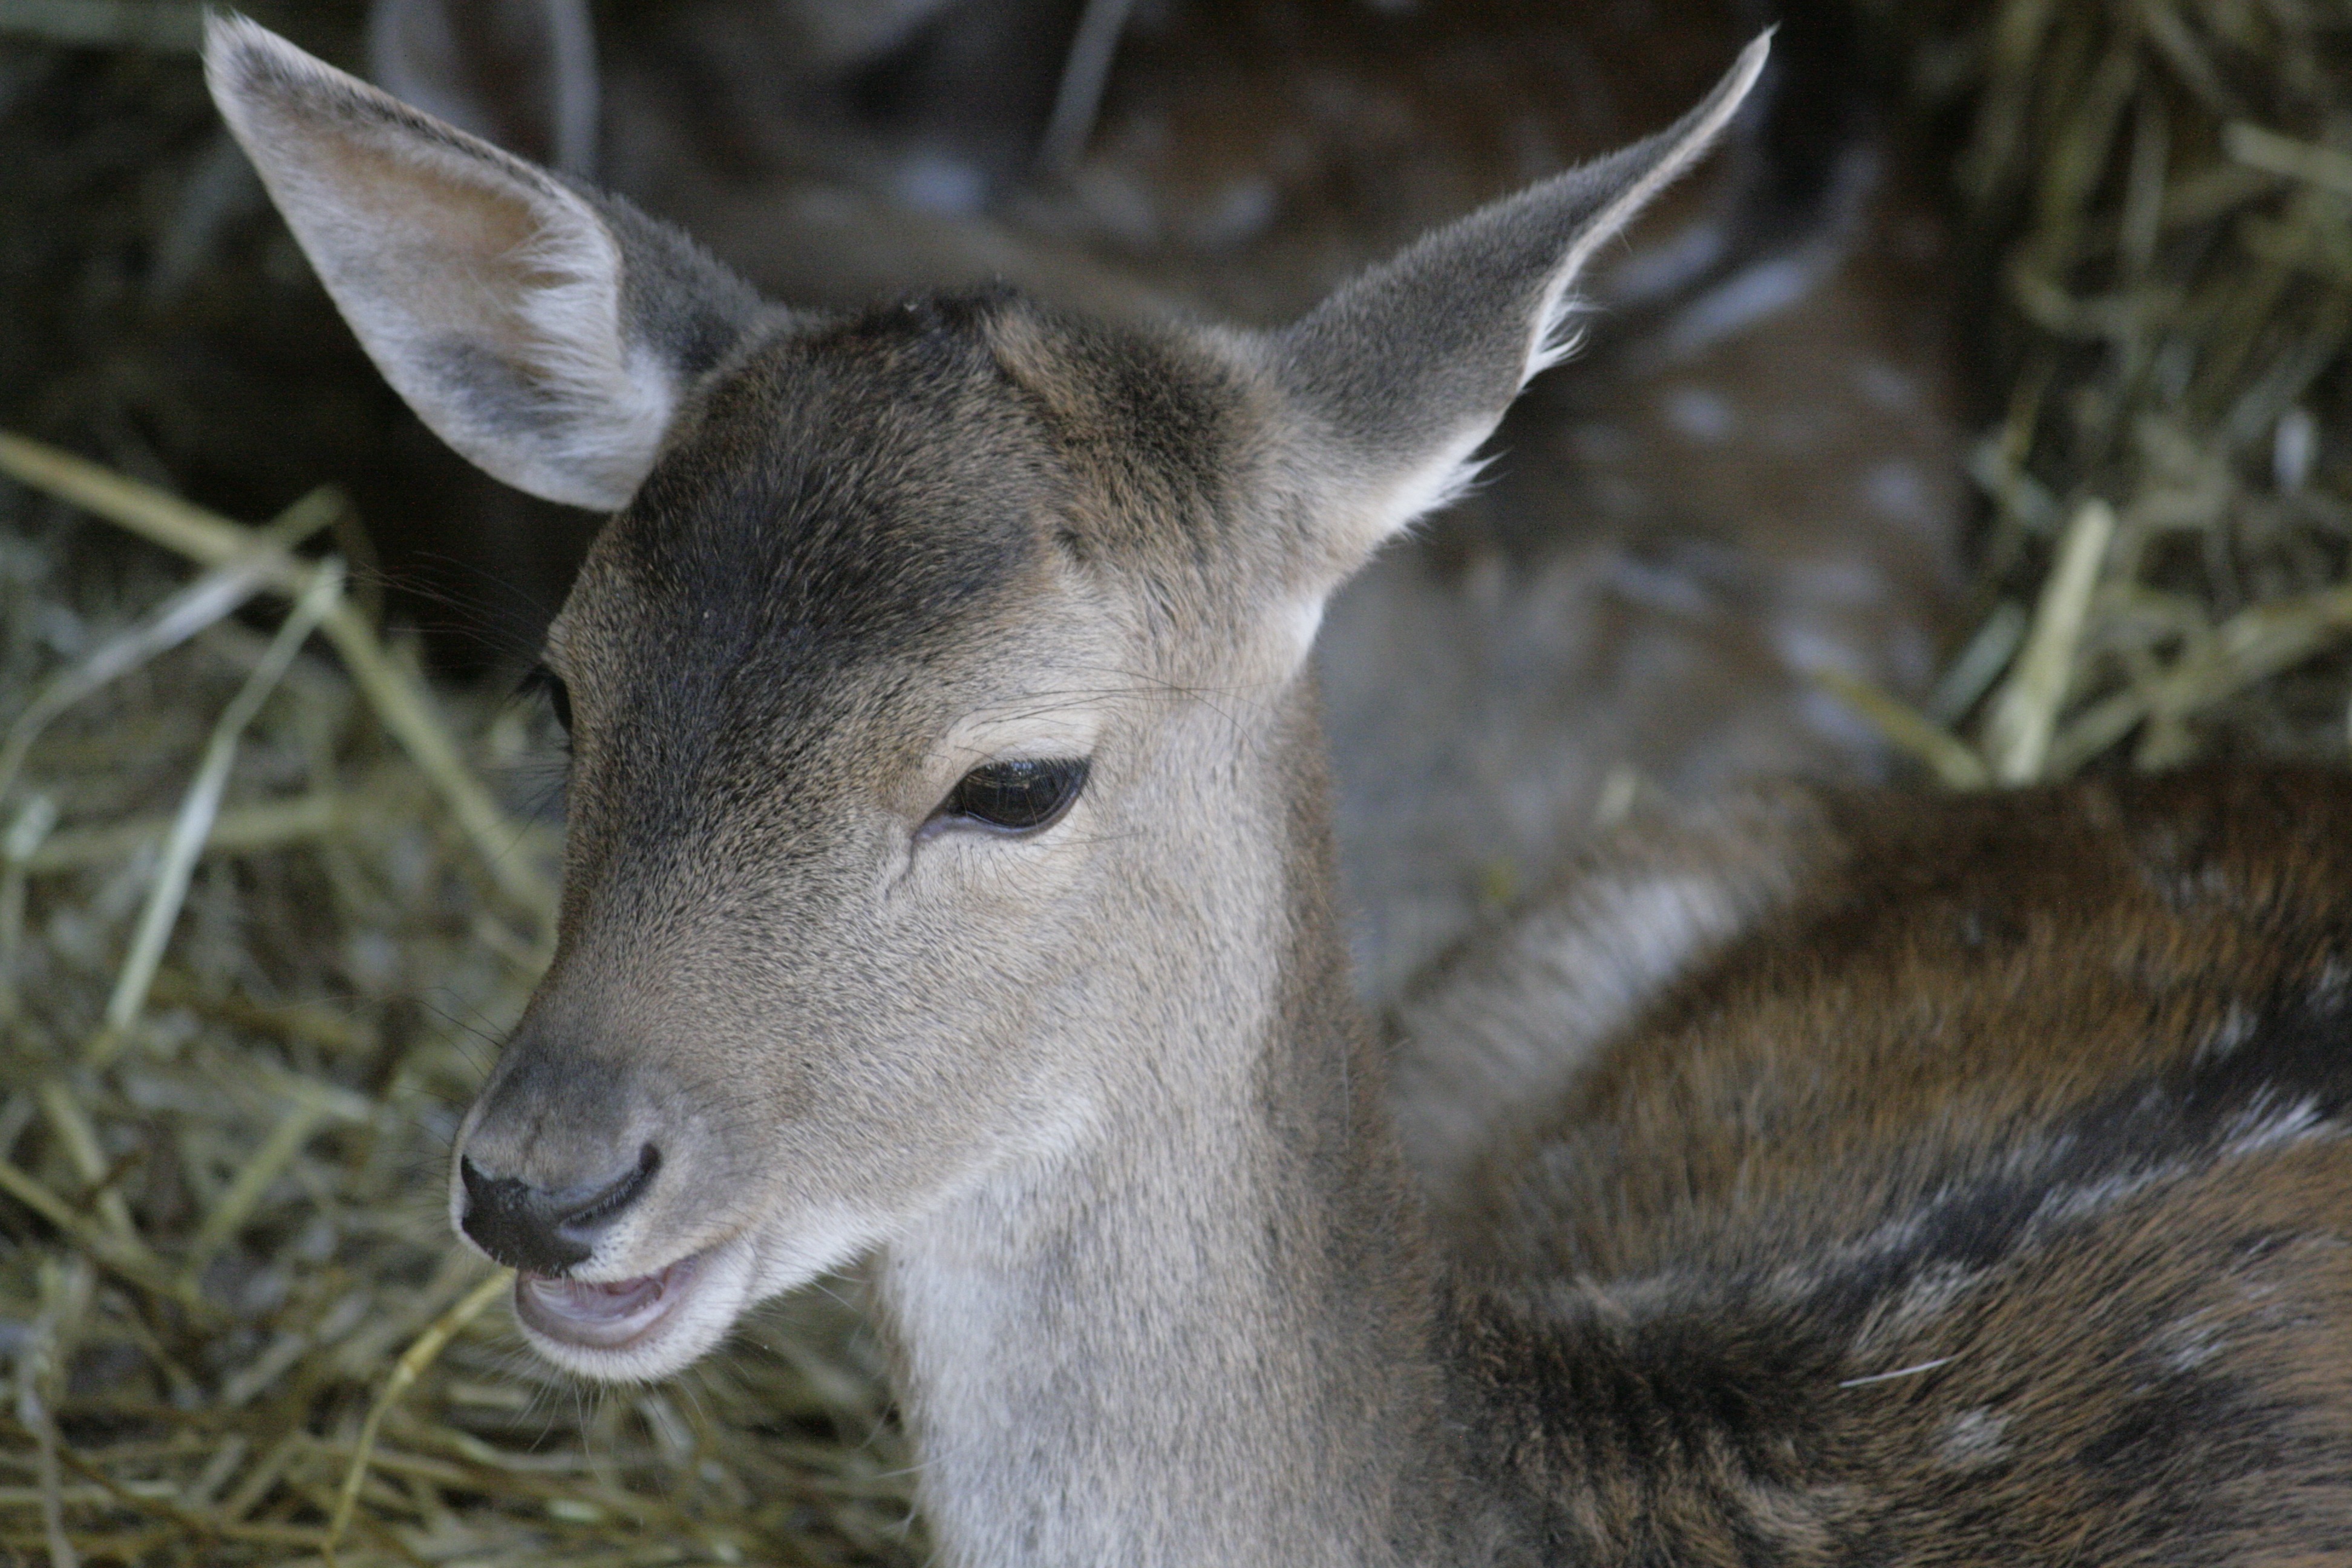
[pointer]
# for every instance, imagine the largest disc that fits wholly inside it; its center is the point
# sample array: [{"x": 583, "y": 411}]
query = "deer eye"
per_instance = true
[
  {"x": 542, "y": 679},
  {"x": 1018, "y": 797}
]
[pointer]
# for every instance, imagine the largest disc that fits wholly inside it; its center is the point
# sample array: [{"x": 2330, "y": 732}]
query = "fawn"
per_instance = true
[
  {"x": 948, "y": 880},
  {"x": 1752, "y": 475}
]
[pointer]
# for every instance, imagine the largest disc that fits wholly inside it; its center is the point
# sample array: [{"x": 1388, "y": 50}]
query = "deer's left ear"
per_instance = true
[
  {"x": 547, "y": 334},
  {"x": 1396, "y": 380}
]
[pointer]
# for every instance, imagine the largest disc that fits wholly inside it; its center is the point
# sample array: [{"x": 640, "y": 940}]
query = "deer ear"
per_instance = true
[
  {"x": 549, "y": 336},
  {"x": 1399, "y": 376}
]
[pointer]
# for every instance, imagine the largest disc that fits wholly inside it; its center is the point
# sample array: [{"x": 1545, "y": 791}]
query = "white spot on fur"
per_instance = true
[
  {"x": 1701, "y": 414},
  {"x": 1972, "y": 1441},
  {"x": 2065, "y": 1205},
  {"x": 1895, "y": 489},
  {"x": 2266, "y": 1125},
  {"x": 1885, "y": 386},
  {"x": 1913, "y": 1370},
  {"x": 1933, "y": 1292},
  {"x": 2237, "y": 1028},
  {"x": 2187, "y": 1343}
]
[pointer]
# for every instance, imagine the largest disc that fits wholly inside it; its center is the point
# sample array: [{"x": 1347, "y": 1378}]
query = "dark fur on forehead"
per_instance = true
[
  {"x": 1151, "y": 427},
  {"x": 858, "y": 488},
  {"x": 867, "y": 486}
]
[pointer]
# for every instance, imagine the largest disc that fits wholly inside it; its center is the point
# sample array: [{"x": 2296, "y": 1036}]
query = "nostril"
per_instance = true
[
  {"x": 508, "y": 1218},
  {"x": 593, "y": 1214},
  {"x": 543, "y": 1230}
]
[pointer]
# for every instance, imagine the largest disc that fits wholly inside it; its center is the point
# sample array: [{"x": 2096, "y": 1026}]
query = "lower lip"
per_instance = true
[{"x": 609, "y": 1315}]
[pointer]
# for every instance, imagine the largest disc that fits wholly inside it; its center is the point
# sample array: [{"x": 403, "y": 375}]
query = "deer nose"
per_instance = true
[{"x": 547, "y": 1230}]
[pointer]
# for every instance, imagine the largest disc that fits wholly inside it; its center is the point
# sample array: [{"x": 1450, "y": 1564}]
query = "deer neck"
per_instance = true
[{"x": 1201, "y": 1332}]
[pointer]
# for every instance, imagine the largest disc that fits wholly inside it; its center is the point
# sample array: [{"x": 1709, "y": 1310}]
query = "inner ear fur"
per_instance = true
[
  {"x": 1396, "y": 379},
  {"x": 547, "y": 335}
]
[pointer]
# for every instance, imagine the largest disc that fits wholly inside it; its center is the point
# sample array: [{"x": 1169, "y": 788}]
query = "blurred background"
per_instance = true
[{"x": 1978, "y": 417}]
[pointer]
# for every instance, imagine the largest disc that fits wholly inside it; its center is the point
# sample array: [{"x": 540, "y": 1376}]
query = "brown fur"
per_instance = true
[{"x": 2037, "y": 1103}]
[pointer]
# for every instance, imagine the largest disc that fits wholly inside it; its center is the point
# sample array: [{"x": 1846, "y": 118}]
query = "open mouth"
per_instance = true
[{"x": 606, "y": 1314}]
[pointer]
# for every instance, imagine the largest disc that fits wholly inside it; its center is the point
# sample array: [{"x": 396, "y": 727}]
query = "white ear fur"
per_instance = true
[
  {"x": 1402, "y": 374},
  {"x": 489, "y": 292},
  {"x": 1555, "y": 336}
]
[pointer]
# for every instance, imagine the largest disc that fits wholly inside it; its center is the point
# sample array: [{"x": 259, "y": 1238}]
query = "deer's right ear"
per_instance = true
[
  {"x": 547, "y": 336},
  {"x": 1396, "y": 379}
]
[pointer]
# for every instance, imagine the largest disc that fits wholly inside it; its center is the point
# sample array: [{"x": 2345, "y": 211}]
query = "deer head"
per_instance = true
[{"x": 944, "y": 796}]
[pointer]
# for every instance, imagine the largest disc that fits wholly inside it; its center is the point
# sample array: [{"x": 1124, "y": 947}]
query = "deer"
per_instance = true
[
  {"x": 1752, "y": 476},
  {"x": 949, "y": 884}
]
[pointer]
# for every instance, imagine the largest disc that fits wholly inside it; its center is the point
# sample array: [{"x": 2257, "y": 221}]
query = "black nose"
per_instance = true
[{"x": 543, "y": 1230}]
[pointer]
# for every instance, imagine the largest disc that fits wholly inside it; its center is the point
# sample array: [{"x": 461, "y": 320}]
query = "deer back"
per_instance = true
[{"x": 1975, "y": 1184}]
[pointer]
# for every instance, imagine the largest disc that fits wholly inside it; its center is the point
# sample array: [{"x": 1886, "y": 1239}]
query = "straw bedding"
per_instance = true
[
  {"x": 262, "y": 918},
  {"x": 268, "y": 895},
  {"x": 2160, "y": 196}
]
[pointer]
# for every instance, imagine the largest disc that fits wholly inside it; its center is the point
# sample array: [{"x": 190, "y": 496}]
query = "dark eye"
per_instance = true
[
  {"x": 1018, "y": 797},
  {"x": 546, "y": 681}
]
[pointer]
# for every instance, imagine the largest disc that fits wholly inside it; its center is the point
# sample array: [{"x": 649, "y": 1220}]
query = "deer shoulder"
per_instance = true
[{"x": 948, "y": 883}]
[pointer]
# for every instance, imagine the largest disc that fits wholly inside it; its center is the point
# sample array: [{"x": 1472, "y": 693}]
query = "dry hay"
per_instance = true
[
  {"x": 2162, "y": 190},
  {"x": 261, "y": 917},
  {"x": 263, "y": 905}
]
